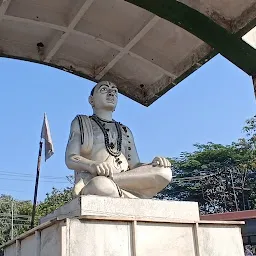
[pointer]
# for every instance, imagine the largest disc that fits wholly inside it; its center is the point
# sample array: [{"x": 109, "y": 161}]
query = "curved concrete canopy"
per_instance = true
[{"x": 115, "y": 40}]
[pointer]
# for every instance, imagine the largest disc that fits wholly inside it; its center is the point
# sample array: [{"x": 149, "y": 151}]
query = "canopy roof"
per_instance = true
[{"x": 145, "y": 47}]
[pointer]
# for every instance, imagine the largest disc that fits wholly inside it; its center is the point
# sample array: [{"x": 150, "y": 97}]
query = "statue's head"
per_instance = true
[{"x": 104, "y": 95}]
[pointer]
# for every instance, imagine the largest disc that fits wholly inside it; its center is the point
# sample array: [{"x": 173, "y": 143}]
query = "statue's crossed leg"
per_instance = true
[{"x": 142, "y": 182}]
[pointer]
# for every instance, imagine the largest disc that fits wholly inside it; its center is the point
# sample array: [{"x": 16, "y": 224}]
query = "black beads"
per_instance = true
[
  {"x": 129, "y": 148},
  {"x": 125, "y": 129},
  {"x": 110, "y": 146}
]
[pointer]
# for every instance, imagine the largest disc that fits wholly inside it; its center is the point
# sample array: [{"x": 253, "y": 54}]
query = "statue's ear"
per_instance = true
[{"x": 90, "y": 99}]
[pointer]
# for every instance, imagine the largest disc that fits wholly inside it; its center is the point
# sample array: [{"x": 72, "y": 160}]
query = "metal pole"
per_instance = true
[
  {"x": 36, "y": 184},
  {"x": 233, "y": 188},
  {"x": 243, "y": 183},
  {"x": 12, "y": 206}
]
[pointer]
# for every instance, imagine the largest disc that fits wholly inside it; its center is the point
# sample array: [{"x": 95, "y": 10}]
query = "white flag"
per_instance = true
[{"x": 46, "y": 135}]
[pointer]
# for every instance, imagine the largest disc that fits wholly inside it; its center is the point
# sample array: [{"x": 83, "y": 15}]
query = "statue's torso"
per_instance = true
[{"x": 99, "y": 152}]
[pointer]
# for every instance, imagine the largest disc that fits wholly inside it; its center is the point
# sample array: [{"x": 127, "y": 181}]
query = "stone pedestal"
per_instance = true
[
  {"x": 98, "y": 226},
  {"x": 122, "y": 207}
]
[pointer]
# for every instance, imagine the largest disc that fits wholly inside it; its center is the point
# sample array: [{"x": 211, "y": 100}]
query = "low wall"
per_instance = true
[
  {"x": 115, "y": 236},
  {"x": 101, "y": 226}
]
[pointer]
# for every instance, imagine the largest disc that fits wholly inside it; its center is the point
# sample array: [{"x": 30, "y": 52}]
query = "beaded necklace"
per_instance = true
[{"x": 110, "y": 146}]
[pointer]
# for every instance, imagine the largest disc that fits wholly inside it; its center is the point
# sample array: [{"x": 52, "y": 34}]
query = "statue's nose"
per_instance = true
[{"x": 110, "y": 93}]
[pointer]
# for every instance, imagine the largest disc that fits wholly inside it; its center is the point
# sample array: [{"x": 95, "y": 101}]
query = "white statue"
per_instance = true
[{"x": 103, "y": 155}]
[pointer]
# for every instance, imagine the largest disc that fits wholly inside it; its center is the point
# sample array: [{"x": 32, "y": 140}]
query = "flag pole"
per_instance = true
[
  {"x": 36, "y": 184},
  {"x": 49, "y": 151}
]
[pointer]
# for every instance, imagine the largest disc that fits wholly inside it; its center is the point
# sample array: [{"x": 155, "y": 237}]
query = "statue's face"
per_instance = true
[{"x": 105, "y": 96}]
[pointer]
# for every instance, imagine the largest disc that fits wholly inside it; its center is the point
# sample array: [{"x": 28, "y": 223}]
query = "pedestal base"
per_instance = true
[
  {"x": 122, "y": 207},
  {"x": 119, "y": 227}
]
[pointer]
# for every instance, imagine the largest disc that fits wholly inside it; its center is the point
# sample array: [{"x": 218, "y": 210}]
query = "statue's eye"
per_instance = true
[
  {"x": 103, "y": 89},
  {"x": 115, "y": 91}
]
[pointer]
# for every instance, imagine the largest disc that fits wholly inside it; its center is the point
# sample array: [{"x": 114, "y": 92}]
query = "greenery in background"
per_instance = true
[
  {"x": 220, "y": 178},
  {"x": 22, "y": 210}
]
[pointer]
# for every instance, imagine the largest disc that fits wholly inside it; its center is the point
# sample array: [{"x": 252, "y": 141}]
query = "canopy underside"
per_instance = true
[{"x": 144, "y": 54}]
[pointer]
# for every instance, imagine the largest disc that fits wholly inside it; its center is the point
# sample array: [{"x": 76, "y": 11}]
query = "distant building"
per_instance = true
[{"x": 248, "y": 230}]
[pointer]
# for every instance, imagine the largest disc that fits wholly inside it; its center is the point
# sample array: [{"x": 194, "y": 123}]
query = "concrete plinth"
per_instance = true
[
  {"x": 121, "y": 207},
  {"x": 120, "y": 227}
]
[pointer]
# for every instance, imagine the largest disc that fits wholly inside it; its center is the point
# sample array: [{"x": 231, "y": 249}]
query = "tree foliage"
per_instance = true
[
  {"x": 219, "y": 177},
  {"x": 22, "y": 211},
  {"x": 54, "y": 200},
  {"x": 13, "y": 213}
]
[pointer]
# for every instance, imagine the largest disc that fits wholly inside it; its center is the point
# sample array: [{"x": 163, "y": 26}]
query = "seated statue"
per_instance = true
[{"x": 103, "y": 155}]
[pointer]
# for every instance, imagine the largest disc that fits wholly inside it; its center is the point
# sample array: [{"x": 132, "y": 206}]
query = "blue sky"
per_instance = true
[{"x": 210, "y": 105}]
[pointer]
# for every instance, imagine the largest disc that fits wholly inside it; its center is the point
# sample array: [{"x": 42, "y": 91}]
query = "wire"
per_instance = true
[
  {"x": 67, "y": 182},
  {"x": 32, "y": 180},
  {"x": 15, "y": 215},
  {"x": 56, "y": 179},
  {"x": 29, "y": 175},
  {"x": 12, "y": 190},
  {"x": 62, "y": 177}
]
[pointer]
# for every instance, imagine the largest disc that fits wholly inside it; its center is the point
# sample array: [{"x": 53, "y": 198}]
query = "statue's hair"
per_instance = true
[{"x": 93, "y": 89}]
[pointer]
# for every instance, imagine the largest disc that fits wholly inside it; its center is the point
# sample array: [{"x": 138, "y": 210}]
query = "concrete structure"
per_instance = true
[
  {"x": 126, "y": 208},
  {"x": 248, "y": 230},
  {"x": 145, "y": 47},
  {"x": 98, "y": 226}
]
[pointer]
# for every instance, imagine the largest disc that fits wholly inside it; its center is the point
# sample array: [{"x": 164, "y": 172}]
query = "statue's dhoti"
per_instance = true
[{"x": 142, "y": 182}]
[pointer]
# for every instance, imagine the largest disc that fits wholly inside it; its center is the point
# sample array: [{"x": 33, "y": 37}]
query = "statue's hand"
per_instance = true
[
  {"x": 161, "y": 162},
  {"x": 102, "y": 169}
]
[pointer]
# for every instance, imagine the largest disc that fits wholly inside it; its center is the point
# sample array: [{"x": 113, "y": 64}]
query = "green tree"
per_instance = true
[
  {"x": 54, "y": 200},
  {"x": 220, "y": 178},
  {"x": 14, "y": 217},
  {"x": 250, "y": 129},
  {"x": 22, "y": 211}
]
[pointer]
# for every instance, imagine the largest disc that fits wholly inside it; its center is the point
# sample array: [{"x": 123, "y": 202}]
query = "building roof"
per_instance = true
[
  {"x": 232, "y": 216},
  {"x": 145, "y": 47}
]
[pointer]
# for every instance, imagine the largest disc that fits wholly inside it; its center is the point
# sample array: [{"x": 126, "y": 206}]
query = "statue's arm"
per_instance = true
[
  {"x": 132, "y": 151},
  {"x": 73, "y": 159}
]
